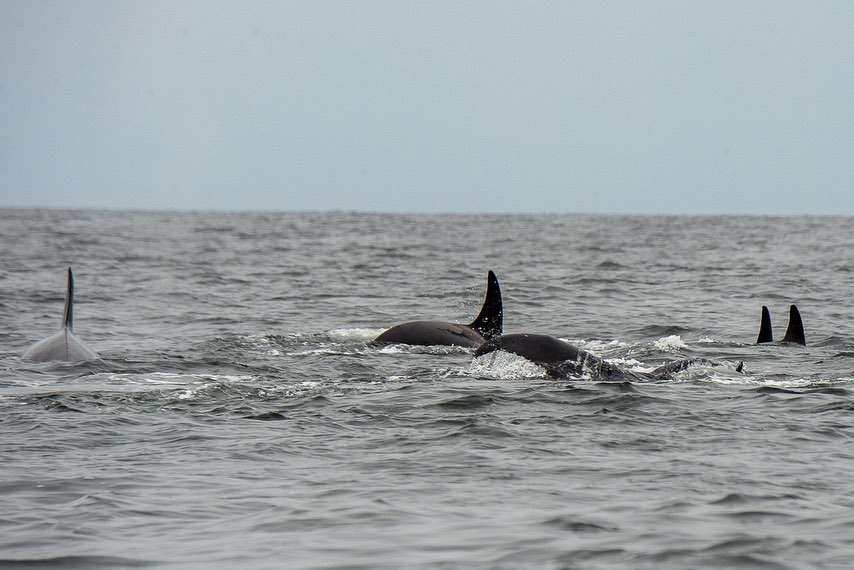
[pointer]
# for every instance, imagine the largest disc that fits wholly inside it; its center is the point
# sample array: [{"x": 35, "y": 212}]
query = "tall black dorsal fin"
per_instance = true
[
  {"x": 795, "y": 330},
  {"x": 68, "y": 318},
  {"x": 489, "y": 323},
  {"x": 764, "y": 327}
]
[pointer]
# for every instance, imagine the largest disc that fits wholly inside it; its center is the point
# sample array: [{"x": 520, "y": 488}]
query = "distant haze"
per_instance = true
[{"x": 626, "y": 107}]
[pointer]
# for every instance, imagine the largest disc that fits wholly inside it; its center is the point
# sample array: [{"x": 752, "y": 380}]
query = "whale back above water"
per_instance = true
[
  {"x": 559, "y": 358},
  {"x": 794, "y": 330},
  {"x": 431, "y": 333},
  {"x": 488, "y": 324},
  {"x": 538, "y": 348},
  {"x": 63, "y": 346},
  {"x": 563, "y": 360}
]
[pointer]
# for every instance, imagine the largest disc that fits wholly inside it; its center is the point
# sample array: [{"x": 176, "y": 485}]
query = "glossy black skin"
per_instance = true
[
  {"x": 431, "y": 333},
  {"x": 563, "y": 360},
  {"x": 794, "y": 330},
  {"x": 559, "y": 358},
  {"x": 488, "y": 324}
]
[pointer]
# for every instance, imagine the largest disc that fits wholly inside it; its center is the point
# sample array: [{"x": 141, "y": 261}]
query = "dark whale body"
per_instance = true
[
  {"x": 559, "y": 358},
  {"x": 63, "y": 346},
  {"x": 794, "y": 330},
  {"x": 564, "y": 360},
  {"x": 487, "y": 325}
]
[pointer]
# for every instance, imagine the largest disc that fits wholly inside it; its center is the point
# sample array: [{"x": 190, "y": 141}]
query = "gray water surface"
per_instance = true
[{"x": 238, "y": 416}]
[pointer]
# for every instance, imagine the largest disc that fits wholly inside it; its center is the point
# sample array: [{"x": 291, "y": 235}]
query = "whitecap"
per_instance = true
[
  {"x": 502, "y": 365},
  {"x": 355, "y": 334},
  {"x": 670, "y": 343}
]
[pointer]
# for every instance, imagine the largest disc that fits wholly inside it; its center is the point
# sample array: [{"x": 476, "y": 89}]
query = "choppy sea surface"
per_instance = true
[{"x": 239, "y": 417}]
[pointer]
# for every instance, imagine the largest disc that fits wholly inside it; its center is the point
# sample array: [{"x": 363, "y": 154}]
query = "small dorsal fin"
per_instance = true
[
  {"x": 489, "y": 323},
  {"x": 795, "y": 330},
  {"x": 764, "y": 327},
  {"x": 68, "y": 318}
]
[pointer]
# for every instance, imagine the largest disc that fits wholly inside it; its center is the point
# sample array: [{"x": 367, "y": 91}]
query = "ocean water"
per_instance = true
[{"x": 238, "y": 416}]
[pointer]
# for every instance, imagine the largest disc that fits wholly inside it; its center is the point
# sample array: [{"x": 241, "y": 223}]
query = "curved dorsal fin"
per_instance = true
[
  {"x": 764, "y": 327},
  {"x": 68, "y": 318},
  {"x": 489, "y": 323},
  {"x": 795, "y": 330}
]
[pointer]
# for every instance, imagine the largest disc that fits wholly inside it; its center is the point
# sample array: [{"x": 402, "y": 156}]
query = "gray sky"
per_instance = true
[{"x": 601, "y": 106}]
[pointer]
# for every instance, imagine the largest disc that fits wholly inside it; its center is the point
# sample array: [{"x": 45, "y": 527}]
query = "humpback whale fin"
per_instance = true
[
  {"x": 489, "y": 323},
  {"x": 68, "y": 318},
  {"x": 764, "y": 327},
  {"x": 795, "y": 330}
]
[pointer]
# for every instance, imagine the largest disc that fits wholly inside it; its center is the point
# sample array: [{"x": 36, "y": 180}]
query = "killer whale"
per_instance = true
[
  {"x": 794, "y": 330},
  {"x": 564, "y": 360},
  {"x": 488, "y": 324},
  {"x": 63, "y": 346}
]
